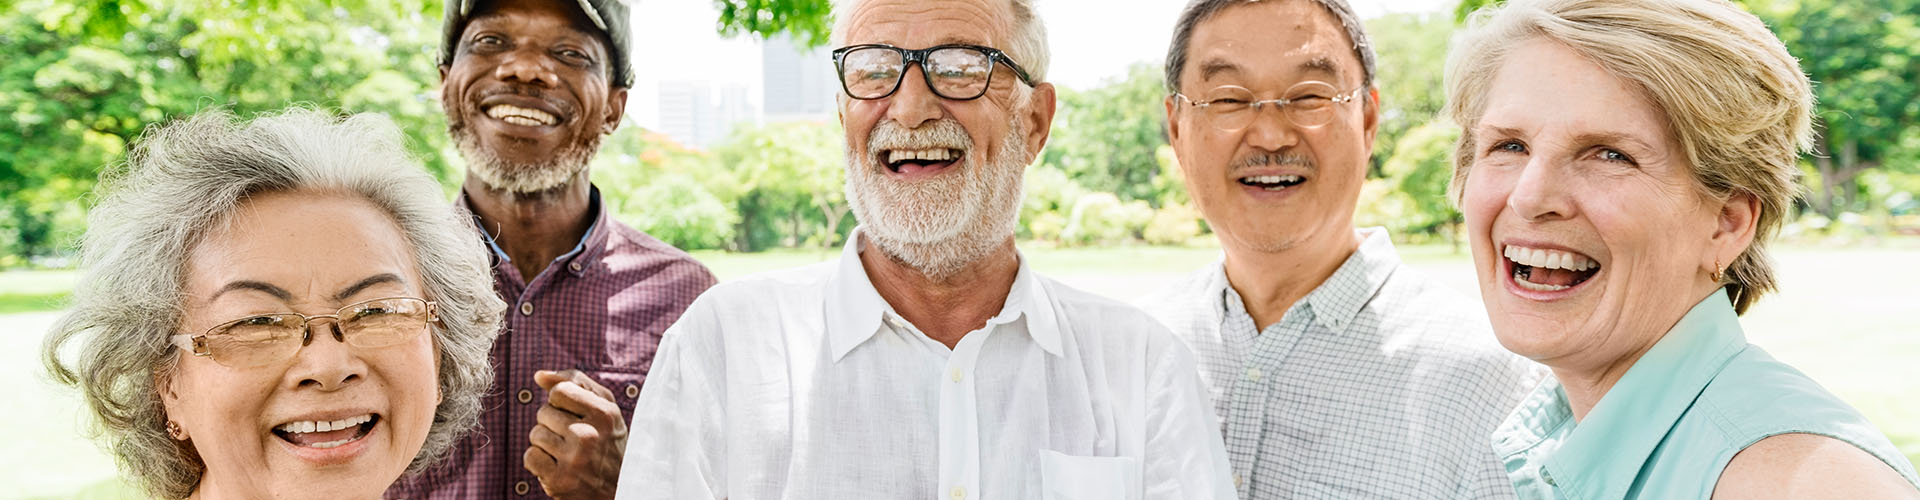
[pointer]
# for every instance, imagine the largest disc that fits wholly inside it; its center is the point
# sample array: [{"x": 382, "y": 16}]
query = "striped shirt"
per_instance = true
[
  {"x": 600, "y": 309},
  {"x": 1380, "y": 383}
]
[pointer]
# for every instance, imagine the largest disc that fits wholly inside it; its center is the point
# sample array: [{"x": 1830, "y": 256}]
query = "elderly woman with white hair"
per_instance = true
[
  {"x": 1621, "y": 166},
  {"x": 281, "y": 308}
]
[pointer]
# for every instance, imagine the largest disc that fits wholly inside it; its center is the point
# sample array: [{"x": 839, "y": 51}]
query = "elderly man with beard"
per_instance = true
[
  {"x": 1337, "y": 371},
  {"x": 530, "y": 87},
  {"x": 928, "y": 361}
]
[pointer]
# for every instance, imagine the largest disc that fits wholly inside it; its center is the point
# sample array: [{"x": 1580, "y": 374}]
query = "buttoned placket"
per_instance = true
[
  {"x": 1252, "y": 387},
  {"x": 959, "y": 410}
]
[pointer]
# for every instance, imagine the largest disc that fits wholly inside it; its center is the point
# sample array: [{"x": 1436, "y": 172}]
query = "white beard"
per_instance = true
[
  {"x": 938, "y": 226},
  {"x": 515, "y": 178}
]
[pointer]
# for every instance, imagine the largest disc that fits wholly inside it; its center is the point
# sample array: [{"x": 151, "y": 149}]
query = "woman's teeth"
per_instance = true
[
  {"x": 318, "y": 426},
  {"x": 1544, "y": 270},
  {"x": 1549, "y": 259},
  {"x": 338, "y": 432}
]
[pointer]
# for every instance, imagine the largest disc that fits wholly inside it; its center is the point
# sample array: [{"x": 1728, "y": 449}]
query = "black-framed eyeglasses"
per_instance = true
[
  {"x": 1307, "y": 104},
  {"x": 264, "y": 339},
  {"x": 954, "y": 71}
]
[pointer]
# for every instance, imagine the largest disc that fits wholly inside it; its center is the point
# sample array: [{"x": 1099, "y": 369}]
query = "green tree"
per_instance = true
[
  {"x": 1106, "y": 138},
  {"x": 1864, "y": 57},
  {"x": 808, "y": 21},
  {"x": 787, "y": 174},
  {"x": 83, "y": 79},
  {"x": 1411, "y": 52}
]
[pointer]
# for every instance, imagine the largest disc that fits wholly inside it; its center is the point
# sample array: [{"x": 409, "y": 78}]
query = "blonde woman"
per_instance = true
[
  {"x": 280, "y": 308},
  {"x": 1621, "y": 166}
]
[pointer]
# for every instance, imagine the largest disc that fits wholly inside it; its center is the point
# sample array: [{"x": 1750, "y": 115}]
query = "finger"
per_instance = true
[
  {"x": 590, "y": 384},
  {"x": 547, "y": 440},
  {"x": 547, "y": 378},
  {"x": 539, "y": 462},
  {"x": 571, "y": 429},
  {"x": 599, "y": 410}
]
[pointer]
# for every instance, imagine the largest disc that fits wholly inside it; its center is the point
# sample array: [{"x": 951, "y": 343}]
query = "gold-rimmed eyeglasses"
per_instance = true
[
  {"x": 264, "y": 339},
  {"x": 1307, "y": 104}
]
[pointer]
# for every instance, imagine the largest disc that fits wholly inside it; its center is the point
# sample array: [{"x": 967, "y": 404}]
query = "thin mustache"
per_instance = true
[
  {"x": 526, "y": 91},
  {"x": 1286, "y": 159}
]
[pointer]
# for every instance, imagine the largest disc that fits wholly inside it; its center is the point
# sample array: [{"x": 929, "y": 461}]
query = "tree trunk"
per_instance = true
[{"x": 1823, "y": 162}]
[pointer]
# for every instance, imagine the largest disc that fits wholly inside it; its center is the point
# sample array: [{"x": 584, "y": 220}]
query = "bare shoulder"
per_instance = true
[{"x": 1809, "y": 466}]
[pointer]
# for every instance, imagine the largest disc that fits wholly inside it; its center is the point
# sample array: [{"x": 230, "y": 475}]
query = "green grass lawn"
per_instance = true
[
  {"x": 1851, "y": 327},
  {"x": 27, "y": 291}
]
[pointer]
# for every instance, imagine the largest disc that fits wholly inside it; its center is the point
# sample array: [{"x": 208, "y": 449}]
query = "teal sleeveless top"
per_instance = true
[{"x": 1670, "y": 425}]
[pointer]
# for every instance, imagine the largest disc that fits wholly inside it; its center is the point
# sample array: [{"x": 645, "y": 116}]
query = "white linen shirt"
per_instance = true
[
  {"x": 1380, "y": 383},
  {"x": 805, "y": 384}
]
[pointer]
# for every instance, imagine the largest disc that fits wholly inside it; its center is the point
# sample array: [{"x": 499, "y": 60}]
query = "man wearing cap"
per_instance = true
[{"x": 530, "y": 87}]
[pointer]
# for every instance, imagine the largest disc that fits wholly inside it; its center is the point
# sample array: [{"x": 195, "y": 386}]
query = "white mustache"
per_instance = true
[{"x": 943, "y": 133}]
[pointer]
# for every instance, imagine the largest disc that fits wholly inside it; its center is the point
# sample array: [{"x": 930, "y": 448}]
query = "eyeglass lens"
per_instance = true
[
  {"x": 269, "y": 338},
  {"x": 952, "y": 72},
  {"x": 1307, "y": 104}
]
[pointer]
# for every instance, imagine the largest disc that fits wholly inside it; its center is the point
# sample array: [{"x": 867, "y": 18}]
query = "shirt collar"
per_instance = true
[
  {"x": 1338, "y": 299},
  {"x": 578, "y": 260},
  {"x": 854, "y": 308},
  {"x": 1603, "y": 453}
]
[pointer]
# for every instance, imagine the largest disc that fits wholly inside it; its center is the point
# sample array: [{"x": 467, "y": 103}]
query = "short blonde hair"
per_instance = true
[{"x": 1737, "y": 102}]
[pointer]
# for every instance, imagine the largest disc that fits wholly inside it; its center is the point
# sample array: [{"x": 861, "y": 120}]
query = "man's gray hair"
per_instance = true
[
  {"x": 1028, "y": 46},
  {"x": 1199, "y": 11},
  {"x": 185, "y": 178}
]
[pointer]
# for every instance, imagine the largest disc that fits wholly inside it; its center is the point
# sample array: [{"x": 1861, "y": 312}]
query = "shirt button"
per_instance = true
[
  {"x": 521, "y": 488},
  {"x": 633, "y": 391},
  {"x": 525, "y": 396},
  {"x": 957, "y": 375},
  {"x": 526, "y": 308},
  {"x": 575, "y": 266},
  {"x": 1236, "y": 480},
  {"x": 1253, "y": 374},
  {"x": 959, "y": 493}
]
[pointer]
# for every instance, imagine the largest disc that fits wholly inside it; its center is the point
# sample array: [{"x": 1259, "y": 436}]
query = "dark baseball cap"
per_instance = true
[{"x": 611, "y": 16}]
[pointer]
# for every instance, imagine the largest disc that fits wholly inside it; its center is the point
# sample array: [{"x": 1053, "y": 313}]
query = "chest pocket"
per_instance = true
[{"x": 1066, "y": 477}]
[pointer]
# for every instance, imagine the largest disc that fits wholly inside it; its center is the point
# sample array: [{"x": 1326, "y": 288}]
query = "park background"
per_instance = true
[{"x": 731, "y": 149}]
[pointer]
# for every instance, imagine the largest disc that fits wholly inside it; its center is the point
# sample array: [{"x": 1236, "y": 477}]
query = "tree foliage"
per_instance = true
[
  {"x": 1106, "y": 138},
  {"x": 84, "y": 78},
  {"x": 808, "y": 21}
]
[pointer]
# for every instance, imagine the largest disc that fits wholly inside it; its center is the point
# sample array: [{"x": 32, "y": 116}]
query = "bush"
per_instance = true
[
  {"x": 678, "y": 210},
  {"x": 1100, "y": 218},
  {"x": 1173, "y": 225}
]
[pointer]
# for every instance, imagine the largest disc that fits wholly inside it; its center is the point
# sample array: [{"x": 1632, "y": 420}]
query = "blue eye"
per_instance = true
[
  {"x": 1611, "y": 155},
  {"x": 1510, "y": 147}
]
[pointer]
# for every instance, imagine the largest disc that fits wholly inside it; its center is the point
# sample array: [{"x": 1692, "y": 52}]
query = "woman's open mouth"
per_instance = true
[
  {"x": 327, "y": 434},
  {"x": 1545, "y": 270}
]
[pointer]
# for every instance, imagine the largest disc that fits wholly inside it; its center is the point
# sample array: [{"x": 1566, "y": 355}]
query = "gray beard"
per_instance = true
[
  {"x": 517, "y": 178},
  {"x": 938, "y": 226}
]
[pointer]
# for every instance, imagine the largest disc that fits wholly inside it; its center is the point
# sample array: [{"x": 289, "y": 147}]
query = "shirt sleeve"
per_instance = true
[
  {"x": 676, "y": 448},
  {"x": 1185, "y": 458}
]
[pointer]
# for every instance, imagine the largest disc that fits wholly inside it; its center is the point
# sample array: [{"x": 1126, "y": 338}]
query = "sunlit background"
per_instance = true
[{"x": 731, "y": 149}]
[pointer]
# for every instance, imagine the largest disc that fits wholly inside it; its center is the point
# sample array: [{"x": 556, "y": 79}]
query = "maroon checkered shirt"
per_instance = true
[{"x": 600, "y": 309}]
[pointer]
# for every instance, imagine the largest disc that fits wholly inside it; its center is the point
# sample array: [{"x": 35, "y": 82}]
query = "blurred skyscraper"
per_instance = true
[{"x": 798, "y": 83}]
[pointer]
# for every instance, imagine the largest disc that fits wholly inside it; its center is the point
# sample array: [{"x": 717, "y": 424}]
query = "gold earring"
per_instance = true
[
  {"x": 174, "y": 430},
  {"x": 1718, "y": 274}
]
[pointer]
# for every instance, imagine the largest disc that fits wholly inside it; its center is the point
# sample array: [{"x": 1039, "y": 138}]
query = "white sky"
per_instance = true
[{"x": 1092, "y": 40}]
